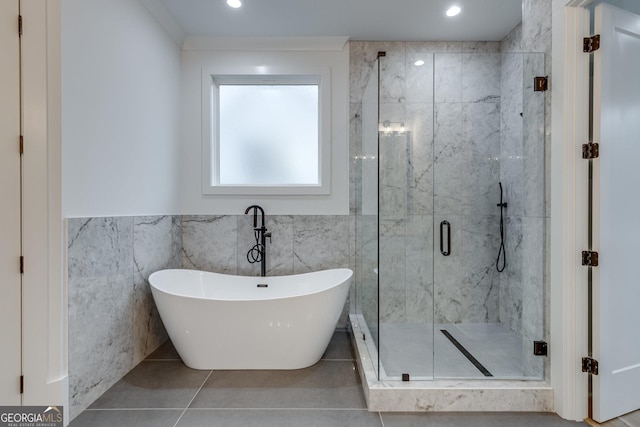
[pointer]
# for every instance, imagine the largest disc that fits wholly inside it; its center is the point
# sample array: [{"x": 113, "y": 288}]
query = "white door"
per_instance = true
[
  {"x": 10, "y": 285},
  {"x": 616, "y": 228}
]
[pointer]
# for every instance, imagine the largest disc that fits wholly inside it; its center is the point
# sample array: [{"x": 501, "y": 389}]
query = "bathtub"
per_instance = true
[{"x": 221, "y": 321}]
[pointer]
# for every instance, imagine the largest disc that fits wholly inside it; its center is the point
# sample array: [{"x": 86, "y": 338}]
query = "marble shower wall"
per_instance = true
[
  {"x": 522, "y": 175},
  {"x": 113, "y": 322},
  {"x": 450, "y": 108},
  {"x": 525, "y": 166}
]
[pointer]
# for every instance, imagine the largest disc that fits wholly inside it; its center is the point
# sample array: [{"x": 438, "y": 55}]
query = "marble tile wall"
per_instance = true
[
  {"x": 157, "y": 244},
  {"x": 299, "y": 244},
  {"x": 511, "y": 176},
  {"x": 524, "y": 172},
  {"x": 113, "y": 323}
]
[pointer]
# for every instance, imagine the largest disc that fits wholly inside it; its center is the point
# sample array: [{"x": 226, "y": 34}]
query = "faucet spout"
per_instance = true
[{"x": 255, "y": 214}]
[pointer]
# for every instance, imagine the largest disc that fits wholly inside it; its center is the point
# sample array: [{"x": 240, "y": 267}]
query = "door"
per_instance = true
[
  {"x": 616, "y": 230},
  {"x": 10, "y": 246}
]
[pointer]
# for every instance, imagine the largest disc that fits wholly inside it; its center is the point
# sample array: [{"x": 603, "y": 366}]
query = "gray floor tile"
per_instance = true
[
  {"x": 326, "y": 394},
  {"x": 279, "y": 418},
  {"x": 340, "y": 347},
  {"x": 126, "y": 418},
  {"x": 476, "y": 420},
  {"x": 154, "y": 385},
  {"x": 327, "y": 384},
  {"x": 632, "y": 419},
  {"x": 616, "y": 422},
  {"x": 165, "y": 352}
]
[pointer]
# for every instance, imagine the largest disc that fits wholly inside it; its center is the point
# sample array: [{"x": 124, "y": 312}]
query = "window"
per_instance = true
[{"x": 265, "y": 134}]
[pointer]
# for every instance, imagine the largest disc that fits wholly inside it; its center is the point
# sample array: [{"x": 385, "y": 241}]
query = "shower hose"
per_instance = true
[
  {"x": 256, "y": 253},
  {"x": 501, "y": 252}
]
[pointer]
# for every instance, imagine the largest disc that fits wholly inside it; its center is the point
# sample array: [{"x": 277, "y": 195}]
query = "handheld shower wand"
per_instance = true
[{"x": 501, "y": 253}]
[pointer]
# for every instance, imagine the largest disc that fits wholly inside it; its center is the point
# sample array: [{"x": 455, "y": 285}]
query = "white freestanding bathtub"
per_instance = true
[{"x": 220, "y": 321}]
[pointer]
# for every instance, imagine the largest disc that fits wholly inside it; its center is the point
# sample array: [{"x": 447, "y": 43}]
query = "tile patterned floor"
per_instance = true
[
  {"x": 629, "y": 420},
  {"x": 161, "y": 391}
]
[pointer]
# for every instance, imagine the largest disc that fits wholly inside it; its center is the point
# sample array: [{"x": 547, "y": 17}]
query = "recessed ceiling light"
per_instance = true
[
  {"x": 453, "y": 10},
  {"x": 418, "y": 63},
  {"x": 234, "y": 3}
]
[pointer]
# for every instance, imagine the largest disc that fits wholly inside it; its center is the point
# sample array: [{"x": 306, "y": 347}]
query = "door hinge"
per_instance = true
[
  {"x": 21, "y": 145},
  {"x": 591, "y": 44},
  {"x": 540, "y": 348},
  {"x": 21, "y": 384},
  {"x": 21, "y": 264},
  {"x": 541, "y": 84},
  {"x": 589, "y": 365},
  {"x": 589, "y": 258},
  {"x": 590, "y": 150},
  {"x": 19, "y": 25}
]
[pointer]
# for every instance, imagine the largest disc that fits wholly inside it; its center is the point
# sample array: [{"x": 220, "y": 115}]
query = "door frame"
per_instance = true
[
  {"x": 44, "y": 283},
  {"x": 10, "y": 213},
  {"x": 569, "y": 198}
]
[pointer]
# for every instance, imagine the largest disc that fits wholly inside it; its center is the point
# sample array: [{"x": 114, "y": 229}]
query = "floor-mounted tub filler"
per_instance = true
[{"x": 221, "y": 321}]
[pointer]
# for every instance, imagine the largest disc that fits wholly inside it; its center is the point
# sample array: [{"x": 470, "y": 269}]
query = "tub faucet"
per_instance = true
[{"x": 258, "y": 253}]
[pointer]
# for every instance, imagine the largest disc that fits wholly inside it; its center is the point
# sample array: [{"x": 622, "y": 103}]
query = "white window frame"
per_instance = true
[{"x": 212, "y": 76}]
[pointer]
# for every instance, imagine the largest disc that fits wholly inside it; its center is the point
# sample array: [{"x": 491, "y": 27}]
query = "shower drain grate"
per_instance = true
[{"x": 466, "y": 353}]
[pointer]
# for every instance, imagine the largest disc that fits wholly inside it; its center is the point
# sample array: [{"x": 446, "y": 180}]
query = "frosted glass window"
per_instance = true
[{"x": 268, "y": 135}]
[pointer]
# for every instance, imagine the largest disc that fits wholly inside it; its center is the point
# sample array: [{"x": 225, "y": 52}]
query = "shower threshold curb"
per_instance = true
[{"x": 443, "y": 395}]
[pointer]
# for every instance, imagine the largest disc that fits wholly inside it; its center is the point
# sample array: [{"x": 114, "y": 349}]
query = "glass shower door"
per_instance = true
[
  {"x": 489, "y": 215},
  {"x": 466, "y": 190}
]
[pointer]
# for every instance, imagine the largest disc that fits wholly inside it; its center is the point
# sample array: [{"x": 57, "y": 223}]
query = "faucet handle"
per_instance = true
[{"x": 268, "y": 234}]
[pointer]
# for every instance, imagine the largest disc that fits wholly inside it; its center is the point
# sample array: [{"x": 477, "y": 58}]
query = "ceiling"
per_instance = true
[{"x": 379, "y": 20}]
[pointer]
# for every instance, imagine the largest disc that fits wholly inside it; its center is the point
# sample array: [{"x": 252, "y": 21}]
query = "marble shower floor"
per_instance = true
[
  {"x": 409, "y": 348},
  {"x": 162, "y": 391}
]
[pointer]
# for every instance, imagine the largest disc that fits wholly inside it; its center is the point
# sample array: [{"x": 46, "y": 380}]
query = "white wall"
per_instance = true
[
  {"x": 120, "y": 111},
  {"x": 202, "y": 53}
]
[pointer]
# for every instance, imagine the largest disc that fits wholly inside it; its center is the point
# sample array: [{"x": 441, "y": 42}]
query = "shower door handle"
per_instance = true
[{"x": 444, "y": 224}]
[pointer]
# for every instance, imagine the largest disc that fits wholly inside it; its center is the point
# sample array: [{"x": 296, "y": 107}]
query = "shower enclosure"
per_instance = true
[{"x": 449, "y": 189}]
